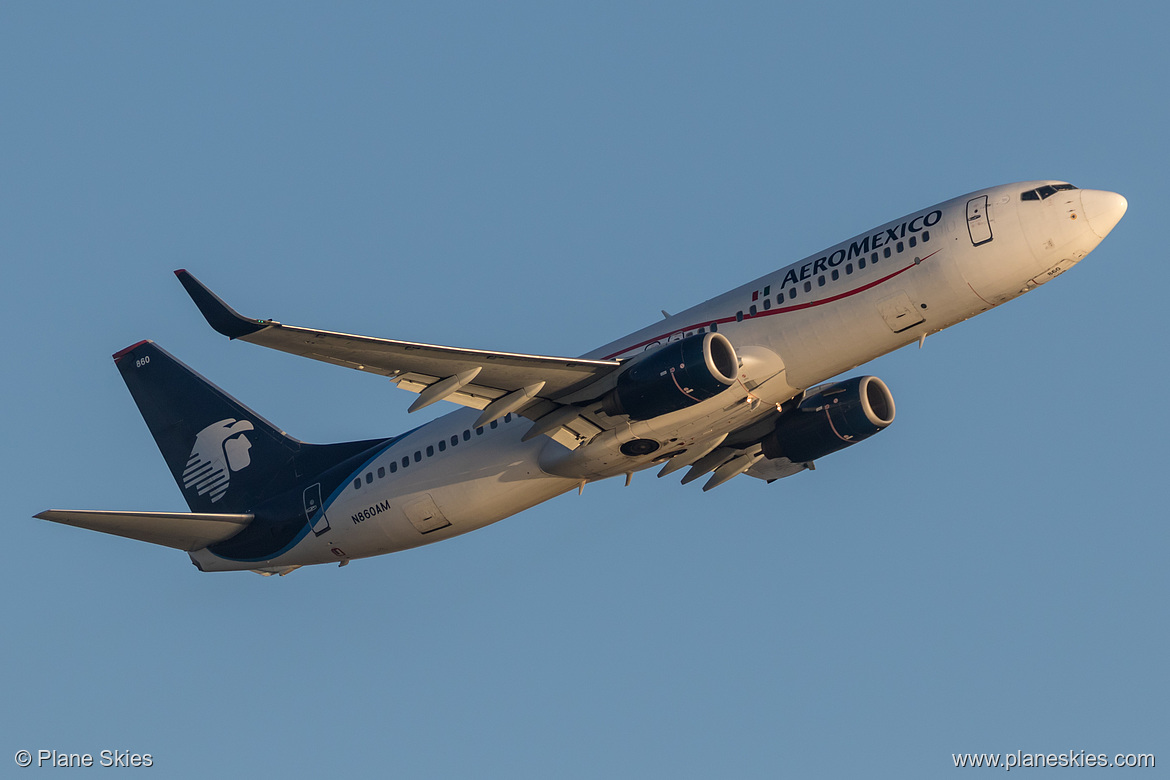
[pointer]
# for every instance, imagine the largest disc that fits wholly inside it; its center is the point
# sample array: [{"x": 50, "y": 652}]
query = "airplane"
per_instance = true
[{"x": 740, "y": 384}]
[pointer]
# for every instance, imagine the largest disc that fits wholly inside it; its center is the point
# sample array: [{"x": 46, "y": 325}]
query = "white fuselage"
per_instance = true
[{"x": 793, "y": 328}]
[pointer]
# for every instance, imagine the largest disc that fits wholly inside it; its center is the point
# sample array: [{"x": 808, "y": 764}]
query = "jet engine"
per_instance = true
[
  {"x": 831, "y": 417},
  {"x": 673, "y": 377}
]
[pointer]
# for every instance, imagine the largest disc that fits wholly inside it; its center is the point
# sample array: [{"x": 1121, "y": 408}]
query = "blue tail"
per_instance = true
[{"x": 224, "y": 457}]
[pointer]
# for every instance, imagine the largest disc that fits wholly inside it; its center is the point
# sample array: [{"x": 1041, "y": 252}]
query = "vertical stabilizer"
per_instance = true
[{"x": 224, "y": 456}]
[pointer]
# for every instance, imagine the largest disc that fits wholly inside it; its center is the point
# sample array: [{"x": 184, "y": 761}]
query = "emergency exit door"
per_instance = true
[{"x": 424, "y": 515}]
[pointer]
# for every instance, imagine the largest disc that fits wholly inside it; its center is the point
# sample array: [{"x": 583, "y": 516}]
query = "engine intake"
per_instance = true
[
  {"x": 830, "y": 418},
  {"x": 673, "y": 377}
]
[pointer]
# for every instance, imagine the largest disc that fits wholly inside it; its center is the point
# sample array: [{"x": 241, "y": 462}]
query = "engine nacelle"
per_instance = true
[
  {"x": 673, "y": 377},
  {"x": 830, "y": 418}
]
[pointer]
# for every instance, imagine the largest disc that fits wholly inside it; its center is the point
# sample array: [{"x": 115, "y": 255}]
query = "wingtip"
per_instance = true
[{"x": 219, "y": 315}]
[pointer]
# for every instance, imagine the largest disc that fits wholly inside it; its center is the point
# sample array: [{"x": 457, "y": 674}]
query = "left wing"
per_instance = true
[{"x": 495, "y": 382}]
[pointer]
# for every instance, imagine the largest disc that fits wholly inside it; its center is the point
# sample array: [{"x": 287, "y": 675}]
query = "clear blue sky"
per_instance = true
[{"x": 988, "y": 575}]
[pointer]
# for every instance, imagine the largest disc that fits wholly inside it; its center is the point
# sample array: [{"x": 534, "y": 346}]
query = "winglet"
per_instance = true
[{"x": 219, "y": 315}]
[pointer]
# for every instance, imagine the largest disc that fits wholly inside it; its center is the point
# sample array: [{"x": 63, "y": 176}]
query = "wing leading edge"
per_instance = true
[{"x": 495, "y": 382}]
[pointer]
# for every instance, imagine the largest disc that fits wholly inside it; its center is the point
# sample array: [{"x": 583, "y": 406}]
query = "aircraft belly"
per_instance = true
[{"x": 823, "y": 342}]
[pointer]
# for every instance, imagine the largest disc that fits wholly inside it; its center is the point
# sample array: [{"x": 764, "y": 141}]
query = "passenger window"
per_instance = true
[
  {"x": 430, "y": 450},
  {"x": 886, "y": 252},
  {"x": 873, "y": 258},
  {"x": 417, "y": 455},
  {"x": 767, "y": 303},
  {"x": 860, "y": 263},
  {"x": 791, "y": 293},
  {"x": 357, "y": 483},
  {"x": 508, "y": 417},
  {"x": 808, "y": 286},
  {"x": 479, "y": 431},
  {"x": 393, "y": 466},
  {"x": 381, "y": 472},
  {"x": 454, "y": 440},
  {"x": 495, "y": 424},
  {"x": 369, "y": 477},
  {"x": 442, "y": 445},
  {"x": 821, "y": 280},
  {"x": 714, "y": 327},
  {"x": 752, "y": 310},
  {"x": 848, "y": 268},
  {"x": 466, "y": 435},
  {"x": 925, "y": 236},
  {"x": 836, "y": 274},
  {"x": 406, "y": 461},
  {"x": 901, "y": 246},
  {"x": 739, "y": 316},
  {"x": 913, "y": 242}
]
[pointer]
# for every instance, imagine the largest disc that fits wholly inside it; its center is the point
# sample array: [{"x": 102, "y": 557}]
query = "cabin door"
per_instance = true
[
  {"x": 978, "y": 224},
  {"x": 314, "y": 513}
]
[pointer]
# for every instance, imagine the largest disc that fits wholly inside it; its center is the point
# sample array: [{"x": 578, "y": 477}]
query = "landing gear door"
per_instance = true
[
  {"x": 978, "y": 224},
  {"x": 314, "y": 512}
]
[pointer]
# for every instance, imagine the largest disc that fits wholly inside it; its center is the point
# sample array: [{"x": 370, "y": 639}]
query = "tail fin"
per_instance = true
[{"x": 224, "y": 457}]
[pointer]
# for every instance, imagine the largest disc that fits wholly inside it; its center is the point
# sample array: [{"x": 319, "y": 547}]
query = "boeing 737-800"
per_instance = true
[{"x": 739, "y": 384}]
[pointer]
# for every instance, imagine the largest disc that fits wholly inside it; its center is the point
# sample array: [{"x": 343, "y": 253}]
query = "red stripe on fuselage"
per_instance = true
[{"x": 784, "y": 310}]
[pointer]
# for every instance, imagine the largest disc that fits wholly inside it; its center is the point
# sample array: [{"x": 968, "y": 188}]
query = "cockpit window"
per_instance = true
[{"x": 1047, "y": 191}]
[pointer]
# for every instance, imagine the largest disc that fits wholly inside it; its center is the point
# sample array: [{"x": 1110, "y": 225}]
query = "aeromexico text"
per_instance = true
[{"x": 862, "y": 247}]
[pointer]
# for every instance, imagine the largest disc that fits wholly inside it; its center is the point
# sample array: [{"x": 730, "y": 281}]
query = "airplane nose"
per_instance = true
[{"x": 1103, "y": 210}]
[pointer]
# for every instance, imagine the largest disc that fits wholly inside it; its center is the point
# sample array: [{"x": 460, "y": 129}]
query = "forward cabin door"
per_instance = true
[{"x": 978, "y": 224}]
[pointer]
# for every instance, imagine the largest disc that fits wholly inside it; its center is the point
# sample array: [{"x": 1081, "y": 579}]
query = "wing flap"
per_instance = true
[{"x": 185, "y": 531}]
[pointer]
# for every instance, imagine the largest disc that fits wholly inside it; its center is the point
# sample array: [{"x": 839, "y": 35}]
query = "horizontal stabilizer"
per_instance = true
[{"x": 182, "y": 530}]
